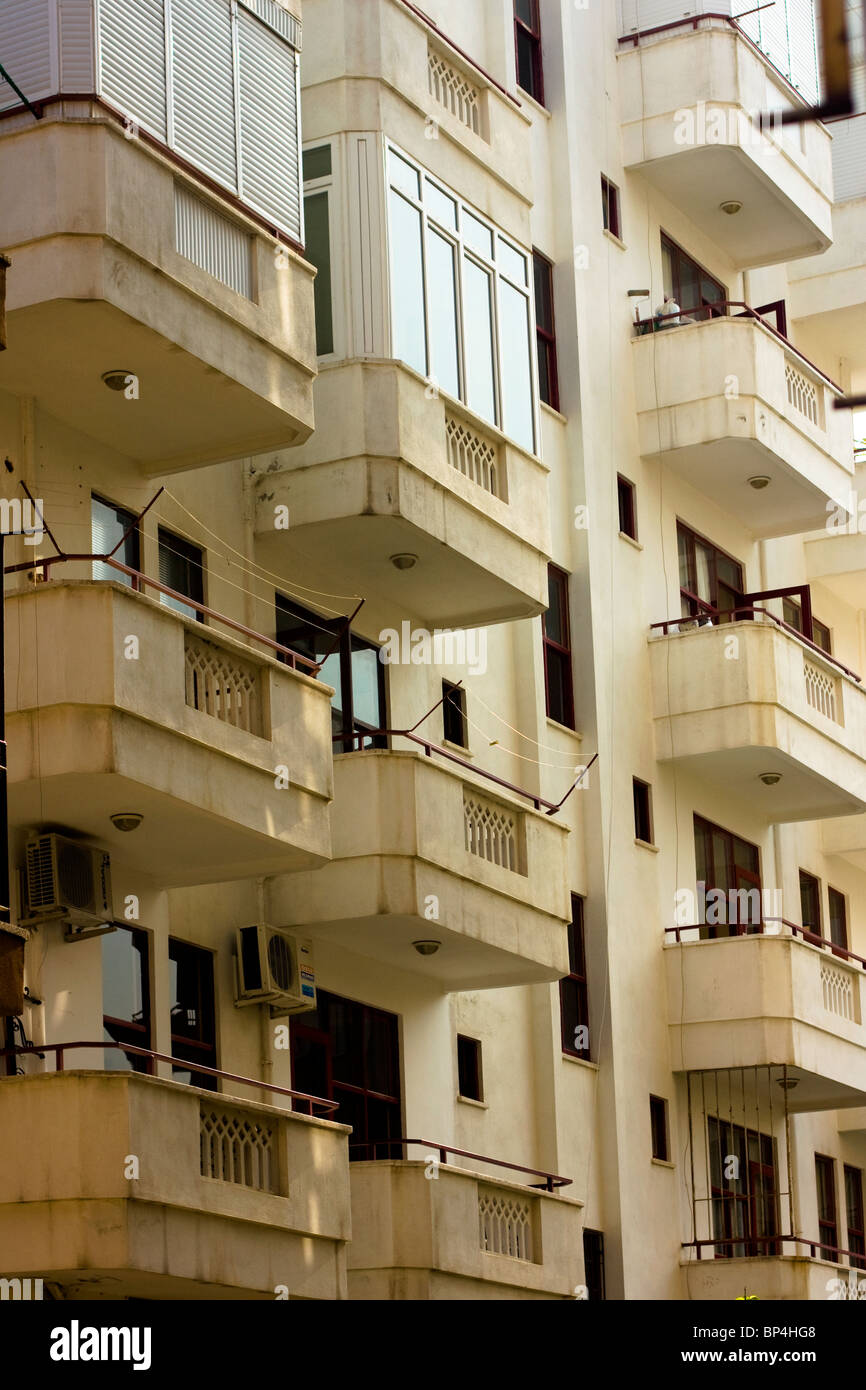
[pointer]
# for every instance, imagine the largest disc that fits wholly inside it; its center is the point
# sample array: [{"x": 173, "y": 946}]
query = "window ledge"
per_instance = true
[
  {"x": 563, "y": 728},
  {"x": 533, "y": 103},
  {"x": 467, "y": 1100},
  {"x": 645, "y": 844},
  {"x": 664, "y": 1163},
  {"x": 580, "y": 1061},
  {"x": 624, "y": 536},
  {"x": 617, "y": 241},
  {"x": 552, "y": 410},
  {"x": 457, "y": 748}
]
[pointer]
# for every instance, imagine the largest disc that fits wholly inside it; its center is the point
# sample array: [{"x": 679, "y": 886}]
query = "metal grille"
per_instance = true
[
  {"x": 491, "y": 832},
  {"x": 475, "y": 457},
  {"x": 837, "y": 987},
  {"x": 236, "y": 1148},
  {"x": 213, "y": 242},
  {"x": 802, "y": 394},
  {"x": 505, "y": 1223},
  {"x": 452, "y": 90},
  {"x": 219, "y": 684},
  {"x": 820, "y": 691}
]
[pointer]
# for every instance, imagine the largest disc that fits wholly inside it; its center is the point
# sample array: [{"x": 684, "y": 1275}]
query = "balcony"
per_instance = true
[
  {"x": 728, "y": 399},
  {"x": 232, "y": 1199},
  {"x": 770, "y": 1000},
  {"x": 689, "y": 93},
  {"x": 169, "y": 718},
  {"x": 426, "y": 850},
  {"x": 461, "y": 1236},
  {"x": 793, "y": 1277},
  {"x": 736, "y": 701},
  {"x": 390, "y": 471},
  {"x": 141, "y": 253}
]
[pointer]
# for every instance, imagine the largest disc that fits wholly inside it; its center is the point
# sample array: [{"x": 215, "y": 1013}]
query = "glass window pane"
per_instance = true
[
  {"x": 477, "y": 235},
  {"x": 443, "y": 313},
  {"x": 404, "y": 175},
  {"x": 440, "y": 206},
  {"x": 181, "y": 569},
  {"x": 108, "y": 524},
  {"x": 318, "y": 253},
  {"x": 407, "y": 285},
  {"x": 518, "y": 419},
  {"x": 123, "y": 966},
  {"x": 543, "y": 298},
  {"x": 317, "y": 162},
  {"x": 684, "y": 548},
  {"x": 511, "y": 262},
  {"x": 728, "y": 571},
  {"x": 365, "y": 687},
  {"x": 554, "y": 618},
  {"x": 704, "y": 567},
  {"x": 478, "y": 332}
]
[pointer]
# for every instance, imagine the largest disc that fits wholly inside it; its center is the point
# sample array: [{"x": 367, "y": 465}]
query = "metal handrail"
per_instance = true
[
  {"x": 38, "y": 1049},
  {"x": 430, "y": 748},
  {"x": 292, "y": 658},
  {"x": 730, "y": 613},
  {"x": 551, "y": 1180},
  {"x": 652, "y": 325},
  {"x": 814, "y": 1245},
  {"x": 757, "y": 929}
]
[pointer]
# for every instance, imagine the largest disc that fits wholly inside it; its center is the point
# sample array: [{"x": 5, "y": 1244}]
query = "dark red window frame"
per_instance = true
[
  {"x": 557, "y": 652},
  {"x": 135, "y": 1032},
  {"x": 659, "y": 1128},
  {"x": 828, "y": 1217},
  {"x": 745, "y": 1209},
  {"x": 856, "y": 1237},
  {"x": 193, "y": 1039},
  {"x": 838, "y": 919},
  {"x": 610, "y": 207},
  {"x": 626, "y": 497},
  {"x": 470, "y": 1084},
  {"x": 810, "y": 903},
  {"x": 792, "y": 614},
  {"x": 737, "y": 867},
  {"x": 724, "y": 593},
  {"x": 545, "y": 329},
  {"x": 527, "y": 49},
  {"x": 643, "y": 811},
  {"x": 574, "y": 987},
  {"x": 709, "y": 289}
]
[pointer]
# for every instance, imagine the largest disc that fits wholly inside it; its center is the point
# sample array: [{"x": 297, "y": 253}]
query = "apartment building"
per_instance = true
[{"x": 436, "y": 742}]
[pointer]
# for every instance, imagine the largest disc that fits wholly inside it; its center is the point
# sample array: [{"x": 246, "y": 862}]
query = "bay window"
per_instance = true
[{"x": 461, "y": 299}]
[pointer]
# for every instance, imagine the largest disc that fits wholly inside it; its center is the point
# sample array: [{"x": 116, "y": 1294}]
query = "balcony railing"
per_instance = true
[
  {"x": 373, "y": 1150},
  {"x": 772, "y": 1245},
  {"x": 707, "y": 932}
]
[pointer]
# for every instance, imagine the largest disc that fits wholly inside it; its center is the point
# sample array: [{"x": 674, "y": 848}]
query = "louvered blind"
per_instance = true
[
  {"x": 217, "y": 81},
  {"x": 27, "y": 49}
]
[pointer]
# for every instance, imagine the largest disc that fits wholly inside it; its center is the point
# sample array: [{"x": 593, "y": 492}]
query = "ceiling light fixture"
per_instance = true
[
  {"x": 117, "y": 380},
  {"x": 771, "y": 779},
  {"x": 731, "y": 206},
  {"x": 126, "y": 820},
  {"x": 404, "y": 562},
  {"x": 426, "y": 948},
  {"x": 759, "y": 482}
]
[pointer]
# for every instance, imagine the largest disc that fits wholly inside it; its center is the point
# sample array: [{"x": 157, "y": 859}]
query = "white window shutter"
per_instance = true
[
  {"x": 27, "y": 46},
  {"x": 203, "y": 86},
  {"x": 132, "y": 60},
  {"x": 270, "y": 178},
  {"x": 77, "y": 49}
]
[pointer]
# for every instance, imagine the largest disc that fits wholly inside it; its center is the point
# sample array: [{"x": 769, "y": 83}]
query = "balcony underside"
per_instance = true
[
  {"x": 765, "y": 741},
  {"x": 207, "y": 818},
  {"x": 838, "y": 560},
  {"x": 189, "y": 411}
]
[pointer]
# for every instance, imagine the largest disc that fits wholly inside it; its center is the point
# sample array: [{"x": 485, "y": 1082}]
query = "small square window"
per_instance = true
[
  {"x": 659, "y": 1128},
  {"x": 643, "y": 824},
  {"x": 610, "y": 207},
  {"x": 469, "y": 1083},
  {"x": 454, "y": 714},
  {"x": 627, "y": 510}
]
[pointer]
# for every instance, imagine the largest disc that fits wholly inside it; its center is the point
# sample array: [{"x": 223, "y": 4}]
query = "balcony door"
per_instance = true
[
  {"x": 698, "y": 293},
  {"x": 351, "y": 665},
  {"x": 350, "y": 1052},
  {"x": 744, "y": 1190},
  {"x": 732, "y": 867},
  {"x": 709, "y": 578}
]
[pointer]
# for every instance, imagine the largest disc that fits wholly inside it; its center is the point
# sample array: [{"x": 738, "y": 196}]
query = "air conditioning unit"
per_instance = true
[
  {"x": 68, "y": 879},
  {"x": 275, "y": 968}
]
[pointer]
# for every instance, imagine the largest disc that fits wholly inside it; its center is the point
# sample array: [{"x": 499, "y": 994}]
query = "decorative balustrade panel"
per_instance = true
[
  {"x": 223, "y": 685},
  {"x": 821, "y": 691},
  {"x": 803, "y": 394},
  {"x": 476, "y": 458},
  {"x": 455, "y": 92},
  {"x": 239, "y": 1149},
  {"x": 492, "y": 832},
  {"x": 505, "y": 1223},
  {"x": 837, "y": 987}
]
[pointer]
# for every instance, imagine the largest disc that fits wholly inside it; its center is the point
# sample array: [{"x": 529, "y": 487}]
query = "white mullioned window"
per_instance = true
[{"x": 461, "y": 301}]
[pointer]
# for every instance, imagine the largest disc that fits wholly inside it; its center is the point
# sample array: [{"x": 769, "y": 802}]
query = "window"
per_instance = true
[
  {"x": 181, "y": 567},
  {"x": 350, "y": 1053},
  {"x": 625, "y": 492},
  {"x": 573, "y": 989},
  {"x": 708, "y": 577},
  {"x": 112, "y": 527},
  {"x": 193, "y": 1015},
  {"x": 460, "y": 296},
  {"x": 828, "y": 1227},
  {"x": 545, "y": 328},
  {"x": 838, "y": 918},
  {"x": 527, "y": 39},
  {"x": 643, "y": 823},
  {"x": 593, "y": 1265},
  {"x": 317, "y": 203},
  {"x": 556, "y": 629},
  {"x": 689, "y": 284},
  {"x": 454, "y": 714},
  {"x": 659, "y": 1128},
  {"x": 854, "y": 1212},
  {"x": 810, "y": 903},
  {"x": 745, "y": 1199},
  {"x": 728, "y": 872},
  {"x": 610, "y": 207},
  {"x": 469, "y": 1068},
  {"x": 352, "y": 667},
  {"x": 792, "y": 614},
  {"x": 126, "y": 997}
]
